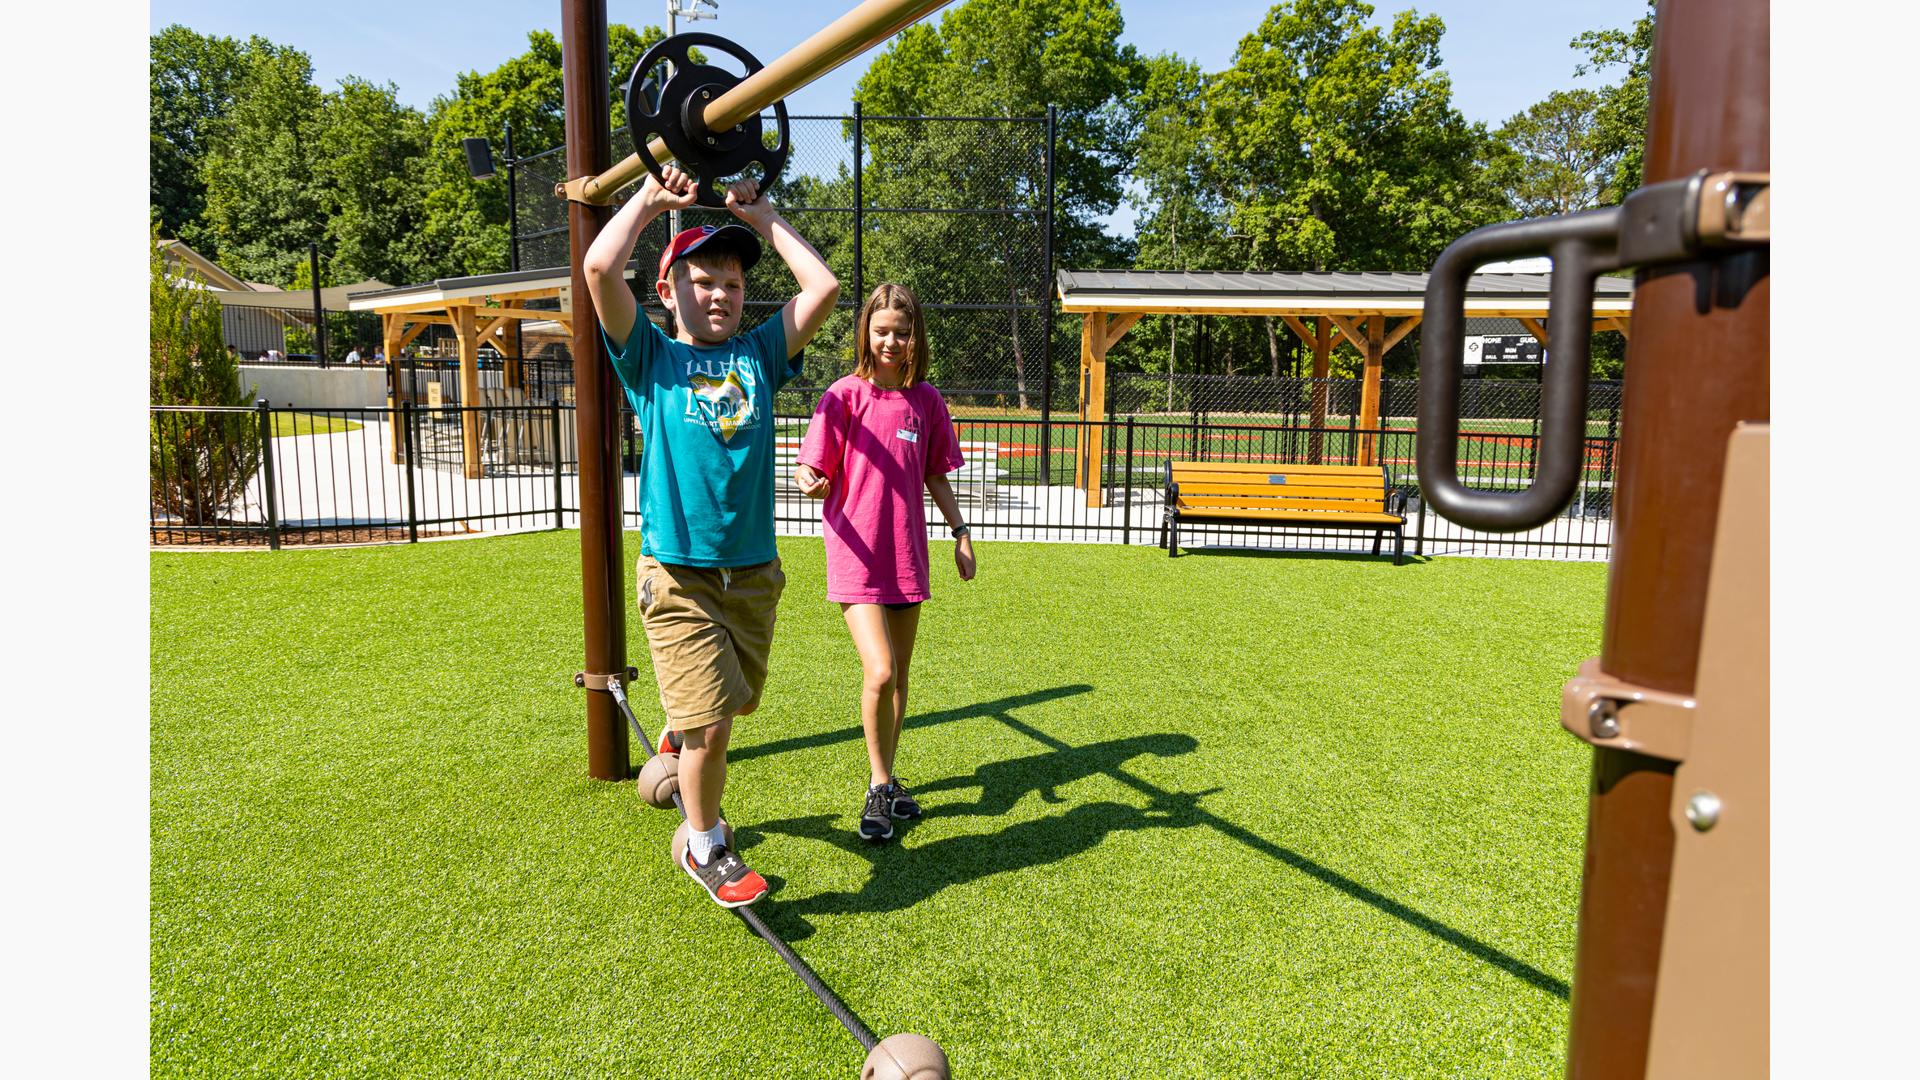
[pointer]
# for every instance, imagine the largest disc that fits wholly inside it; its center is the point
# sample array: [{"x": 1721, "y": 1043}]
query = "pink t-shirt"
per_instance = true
[{"x": 878, "y": 447}]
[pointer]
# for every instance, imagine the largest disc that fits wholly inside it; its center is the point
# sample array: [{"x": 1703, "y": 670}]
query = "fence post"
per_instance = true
[
  {"x": 859, "y": 210},
  {"x": 1126, "y": 511},
  {"x": 265, "y": 419},
  {"x": 559, "y": 504},
  {"x": 319, "y": 313},
  {"x": 1046, "y": 295},
  {"x": 413, "y": 507}
]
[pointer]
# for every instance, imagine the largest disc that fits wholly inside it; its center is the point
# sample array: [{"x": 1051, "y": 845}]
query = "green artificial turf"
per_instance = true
[
  {"x": 299, "y": 423},
  {"x": 1225, "y": 815}
]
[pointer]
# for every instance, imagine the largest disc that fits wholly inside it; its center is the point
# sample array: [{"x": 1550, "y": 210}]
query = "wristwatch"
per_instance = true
[{"x": 960, "y": 531}]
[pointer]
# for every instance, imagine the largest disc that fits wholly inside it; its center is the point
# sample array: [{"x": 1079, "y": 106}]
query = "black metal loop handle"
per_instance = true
[{"x": 1582, "y": 247}]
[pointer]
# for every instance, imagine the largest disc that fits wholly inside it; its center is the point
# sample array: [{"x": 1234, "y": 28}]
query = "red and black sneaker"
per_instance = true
[
  {"x": 670, "y": 742},
  {"x": 726, "y": 878}
]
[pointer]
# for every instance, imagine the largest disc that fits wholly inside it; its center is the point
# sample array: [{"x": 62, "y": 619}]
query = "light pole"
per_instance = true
[{"x": 689, "y": 10}]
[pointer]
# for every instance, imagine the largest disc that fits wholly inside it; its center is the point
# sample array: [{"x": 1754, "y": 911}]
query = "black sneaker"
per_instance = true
[
  {"x": 900, "y": 802},
  {"x": 874, "y": 823},
  {"x": 726, "y": 878}
]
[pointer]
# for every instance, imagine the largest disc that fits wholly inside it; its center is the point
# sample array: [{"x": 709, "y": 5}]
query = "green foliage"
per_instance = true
[
  {"x": 1557, "y": 165},
  {"x": 370, "y": 170},
  {"x": 264, "y": 199},
  {"x": 191, "y": 85},
  {"x": 996, "y": 58},
  {"x": 1338, "y": 145},
  {"x": 1620, "y": 119},
  {"x": 199, "y": 463},
  {"x": 1329, "y": 144},
  {"x": 464, "y": 227}
]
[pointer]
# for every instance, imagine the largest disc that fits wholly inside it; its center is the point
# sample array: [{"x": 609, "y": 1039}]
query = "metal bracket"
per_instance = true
[
  {"x": 575, "y": 190},
  {"x": 601, "y": 683},
  {"x": 1600, "y": 709}
]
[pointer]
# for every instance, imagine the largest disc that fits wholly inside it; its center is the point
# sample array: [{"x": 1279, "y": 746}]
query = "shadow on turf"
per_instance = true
[
  {"x": 1037, "y": 843},
  {"x": 901, "y": 879},
  {"x": 986, "y": 710}
]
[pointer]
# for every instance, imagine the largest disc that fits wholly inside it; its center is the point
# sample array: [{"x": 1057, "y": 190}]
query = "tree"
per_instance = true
[
  {"x": 1338, "y": 144},
  {"x": 1620, "y": 118},
  {"x": 464, "y": 228},
  {"x": 369, "y": 170},
  {"x": 996, "y": 58},
  {"x": 1558, "y": 165},
  {"x": 264, "y": 205},
  {"x": 190, "y": 87},
  {"x": 199, "y": 462}
]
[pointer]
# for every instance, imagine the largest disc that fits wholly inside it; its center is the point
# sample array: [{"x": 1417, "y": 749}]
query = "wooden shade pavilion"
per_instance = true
[
  {"x": 478, "y": 309},
  {"x": 1371, "y": 311}
]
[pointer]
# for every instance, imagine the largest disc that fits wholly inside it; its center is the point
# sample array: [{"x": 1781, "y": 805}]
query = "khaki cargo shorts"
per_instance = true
[{"x": 709, "y": 630}]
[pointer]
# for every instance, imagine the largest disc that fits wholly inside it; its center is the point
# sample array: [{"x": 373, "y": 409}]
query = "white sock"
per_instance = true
[{"x": 701, "y": 844}]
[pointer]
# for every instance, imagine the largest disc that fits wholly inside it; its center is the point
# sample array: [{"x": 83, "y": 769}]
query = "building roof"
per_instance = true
[
  {"x": 454, "y": 290},
  {"x": 1312, "y": 293}
]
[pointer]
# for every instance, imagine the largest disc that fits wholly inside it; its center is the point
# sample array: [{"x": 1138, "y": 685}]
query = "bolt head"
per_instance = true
[
  {"x": 1603, "y": 718},
  {"x": 1703, "y": 810}
]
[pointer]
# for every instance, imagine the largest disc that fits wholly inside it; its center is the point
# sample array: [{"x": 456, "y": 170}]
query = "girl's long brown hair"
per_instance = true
[{"x": 891, "y": 297}]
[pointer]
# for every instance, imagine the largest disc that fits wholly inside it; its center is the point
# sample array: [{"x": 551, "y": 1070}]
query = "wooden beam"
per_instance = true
[
  {"x": 406, "y": 339},
  {"x": 1299, "y": 326},
  {"x": 1539, "y": 332},
  {"x": 1620, "y": 325},
  {"x": 534, "y": 314},
  {"x": 1355, "y": 335},
  {"x": 493, "y": 327},
  {"x": 1116, "y": 329},
  {"x": 1400, "y": 331}
]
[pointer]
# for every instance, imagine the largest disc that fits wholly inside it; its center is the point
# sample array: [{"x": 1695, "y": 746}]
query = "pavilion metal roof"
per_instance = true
[{"x": 1311, "y": 293}]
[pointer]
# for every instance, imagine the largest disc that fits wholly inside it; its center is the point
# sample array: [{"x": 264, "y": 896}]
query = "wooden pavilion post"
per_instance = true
[
  {"x": 1098, "y": 333},
  {"x": 1322, "y": 370},
  {"x": 469, "y": 338},
  {"x": 1370, "y": 387},
  {"x": 390, "y": 345}
]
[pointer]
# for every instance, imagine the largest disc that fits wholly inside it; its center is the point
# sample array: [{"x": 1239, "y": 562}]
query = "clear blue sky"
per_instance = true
[{"x": 1503, "y": 55}]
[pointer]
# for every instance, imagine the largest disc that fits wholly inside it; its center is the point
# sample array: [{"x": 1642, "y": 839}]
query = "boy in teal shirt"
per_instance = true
[{"x": 708, "y": 575}]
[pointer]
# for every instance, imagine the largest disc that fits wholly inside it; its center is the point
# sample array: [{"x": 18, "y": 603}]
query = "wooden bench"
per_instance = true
[{"x": 1264, "y": 493}]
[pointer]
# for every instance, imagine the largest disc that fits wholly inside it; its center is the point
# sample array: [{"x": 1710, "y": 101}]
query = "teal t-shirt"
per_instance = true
[{"x": 706, "y": 429}]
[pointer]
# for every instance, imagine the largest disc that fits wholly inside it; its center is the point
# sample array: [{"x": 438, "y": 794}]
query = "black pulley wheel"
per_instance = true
[{"x": 673, "y": 111}]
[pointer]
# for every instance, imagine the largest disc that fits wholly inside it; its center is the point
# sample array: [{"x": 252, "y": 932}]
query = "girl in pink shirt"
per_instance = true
[{"x": 878, "y": 438}]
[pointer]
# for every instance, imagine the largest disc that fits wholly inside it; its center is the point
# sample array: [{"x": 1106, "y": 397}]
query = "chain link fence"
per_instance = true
[{"x": 955, "y": 208}]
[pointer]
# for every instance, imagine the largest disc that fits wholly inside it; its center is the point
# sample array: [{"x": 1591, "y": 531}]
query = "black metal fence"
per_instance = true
[{"x": 279, "y": 476}]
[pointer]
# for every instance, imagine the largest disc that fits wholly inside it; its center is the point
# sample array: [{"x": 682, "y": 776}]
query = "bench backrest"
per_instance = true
[{"x": 1254, "y": 485}]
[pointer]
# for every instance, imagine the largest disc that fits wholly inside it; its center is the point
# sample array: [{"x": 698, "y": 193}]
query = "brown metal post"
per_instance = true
[
  {"x": 583, "y": 55},
  {"x": 1696, "y": 365}
]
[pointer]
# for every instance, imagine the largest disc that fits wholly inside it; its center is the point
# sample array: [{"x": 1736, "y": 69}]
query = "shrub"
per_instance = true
[{"x": 199, "y": 462}]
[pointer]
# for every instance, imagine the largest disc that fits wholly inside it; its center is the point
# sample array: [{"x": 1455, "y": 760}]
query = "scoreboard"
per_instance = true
[{"x": 1504, "y": 349}]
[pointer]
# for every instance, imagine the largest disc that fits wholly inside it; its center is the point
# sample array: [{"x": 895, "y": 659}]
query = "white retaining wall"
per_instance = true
[{"x": 337, "y": 387}]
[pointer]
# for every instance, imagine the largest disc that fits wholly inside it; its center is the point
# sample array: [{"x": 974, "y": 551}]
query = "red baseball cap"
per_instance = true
[{"x": 735, "y": 238}]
